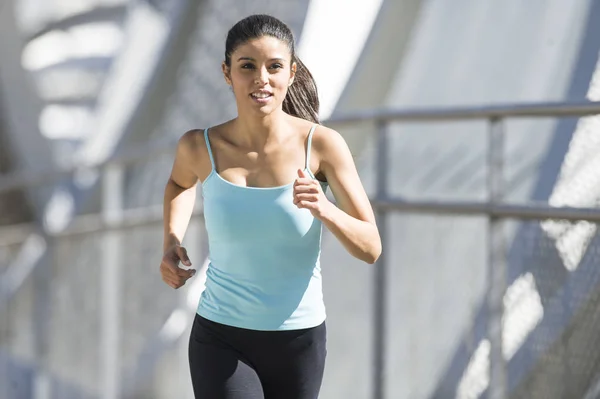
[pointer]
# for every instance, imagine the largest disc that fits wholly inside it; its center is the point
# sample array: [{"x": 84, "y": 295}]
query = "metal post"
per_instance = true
[
  {"x": 380, "y": 270},
  {"x": 112, "y": 213},
  {"x": 42, "y": 278},
  {"x": 496, "y": 263},
  {"x": 193, "y": 236}
]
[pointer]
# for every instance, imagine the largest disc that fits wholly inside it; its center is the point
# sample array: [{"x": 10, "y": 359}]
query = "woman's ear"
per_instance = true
[
  {"x": 226, "y": 73},
  {"x": 292, "y": 73}
]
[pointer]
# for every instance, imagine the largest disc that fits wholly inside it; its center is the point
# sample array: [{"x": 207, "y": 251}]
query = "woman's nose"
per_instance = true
[{"x": 262, "y": 77}]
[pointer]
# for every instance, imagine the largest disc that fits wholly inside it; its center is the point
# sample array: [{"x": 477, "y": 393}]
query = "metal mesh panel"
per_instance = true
[
  {"x": 17, "y": 323},
  {"x": 438, "y": 290},
  {"x": 146, "y": 304},
  {"x": 436, "y": 287},
  {"x": 427, "y": 161},
  {"x": 77, "y": 302},
  {"x": 438, "y": 314},
  {"x": 560, "y": 356},
  {"x": 75, "y": 305}
]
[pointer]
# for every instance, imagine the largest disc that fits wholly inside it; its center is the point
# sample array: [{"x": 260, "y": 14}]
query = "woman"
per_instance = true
[{"x": 259, "y": 330}]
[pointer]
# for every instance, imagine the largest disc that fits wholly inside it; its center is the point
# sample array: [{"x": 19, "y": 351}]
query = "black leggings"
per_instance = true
[{"x": 234, "y": 363}]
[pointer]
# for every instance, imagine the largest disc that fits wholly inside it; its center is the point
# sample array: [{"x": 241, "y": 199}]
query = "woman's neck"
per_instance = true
[{"x": 257, "y": 131}]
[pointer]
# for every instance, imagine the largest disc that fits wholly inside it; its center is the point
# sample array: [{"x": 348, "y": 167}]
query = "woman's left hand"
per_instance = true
[{"x": 308, "y": 194}]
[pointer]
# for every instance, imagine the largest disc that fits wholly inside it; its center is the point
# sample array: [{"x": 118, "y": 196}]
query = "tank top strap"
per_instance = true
[
  {"x": 308, "y": 147},
  {"x": 210, "y": 154}
]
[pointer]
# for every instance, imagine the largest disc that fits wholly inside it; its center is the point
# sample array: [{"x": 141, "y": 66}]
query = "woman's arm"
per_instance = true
[
  {"x": 178, "y": 205},
  {"x": 180, "y": 193},
  {"x": 353, "y": 220}
]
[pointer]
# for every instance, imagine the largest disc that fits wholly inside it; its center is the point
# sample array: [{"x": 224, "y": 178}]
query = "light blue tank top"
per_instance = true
[{"x": 264, "y": 271}]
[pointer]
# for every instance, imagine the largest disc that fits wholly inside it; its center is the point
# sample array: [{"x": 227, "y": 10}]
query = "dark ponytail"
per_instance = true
[{"x": 302, "y": 98}]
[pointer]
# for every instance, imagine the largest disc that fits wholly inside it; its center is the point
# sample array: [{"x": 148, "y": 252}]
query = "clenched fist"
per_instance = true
[
  {"x": 170, "y": 271},
  {"x": 308, "y": 194}
]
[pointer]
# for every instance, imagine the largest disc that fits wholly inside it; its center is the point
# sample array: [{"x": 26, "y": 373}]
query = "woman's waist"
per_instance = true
[
  {"x": 242, "y": 261},
  {"x": 263, "y": 305},
  {"x": 267, "y": 277}
]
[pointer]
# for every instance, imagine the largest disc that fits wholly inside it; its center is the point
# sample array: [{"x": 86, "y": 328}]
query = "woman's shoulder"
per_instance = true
[
  {"x": 326, "y": 139},
  {"x": 321, "y": 133},
  {"x": 191, "y": 140},
  {"x": 193, "y": 152},
  {"x": 196, "y": 138}
]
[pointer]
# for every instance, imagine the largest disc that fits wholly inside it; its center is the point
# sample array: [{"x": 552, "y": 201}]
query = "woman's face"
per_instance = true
[{"x": 260, "y": 74}]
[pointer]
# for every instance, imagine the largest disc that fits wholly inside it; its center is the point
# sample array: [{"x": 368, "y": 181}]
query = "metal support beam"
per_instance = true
[
  {"x": 496, "y": 263},
  {"x": 42, "y": 315},
  {"x": 531, "y": 211},
  {"x": 380, "y": 271},
  {"x": 112, "y": 212}
]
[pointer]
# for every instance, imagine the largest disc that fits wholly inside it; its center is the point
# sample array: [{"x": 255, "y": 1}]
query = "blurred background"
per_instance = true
[{"x": 95, "y": 93}]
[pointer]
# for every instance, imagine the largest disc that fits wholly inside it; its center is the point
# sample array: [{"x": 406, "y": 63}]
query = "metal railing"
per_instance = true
[{"x": 114, "y": 218}]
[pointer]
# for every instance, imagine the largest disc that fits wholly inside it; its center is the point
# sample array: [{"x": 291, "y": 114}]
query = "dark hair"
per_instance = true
[{"x": 302, "y": 99}]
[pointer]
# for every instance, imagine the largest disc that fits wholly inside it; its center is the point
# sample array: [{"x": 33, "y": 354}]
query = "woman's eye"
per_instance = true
[
  {"x": 276, "y": 66},
  {"x": 247, "y": 66}
]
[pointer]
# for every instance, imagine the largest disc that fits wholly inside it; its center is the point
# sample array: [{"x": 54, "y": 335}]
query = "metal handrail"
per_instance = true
[
  {"x": 518, "y": 110},
  {"x": 529, "y": 211}
]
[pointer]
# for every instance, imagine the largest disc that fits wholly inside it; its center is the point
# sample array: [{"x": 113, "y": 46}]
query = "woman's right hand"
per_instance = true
[{"x": 170, "y": 271}]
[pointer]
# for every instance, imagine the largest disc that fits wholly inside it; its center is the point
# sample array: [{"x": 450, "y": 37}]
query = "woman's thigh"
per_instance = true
[
  {"x": 217, "y": 371},
  {"x": 293, "y": 367}
]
